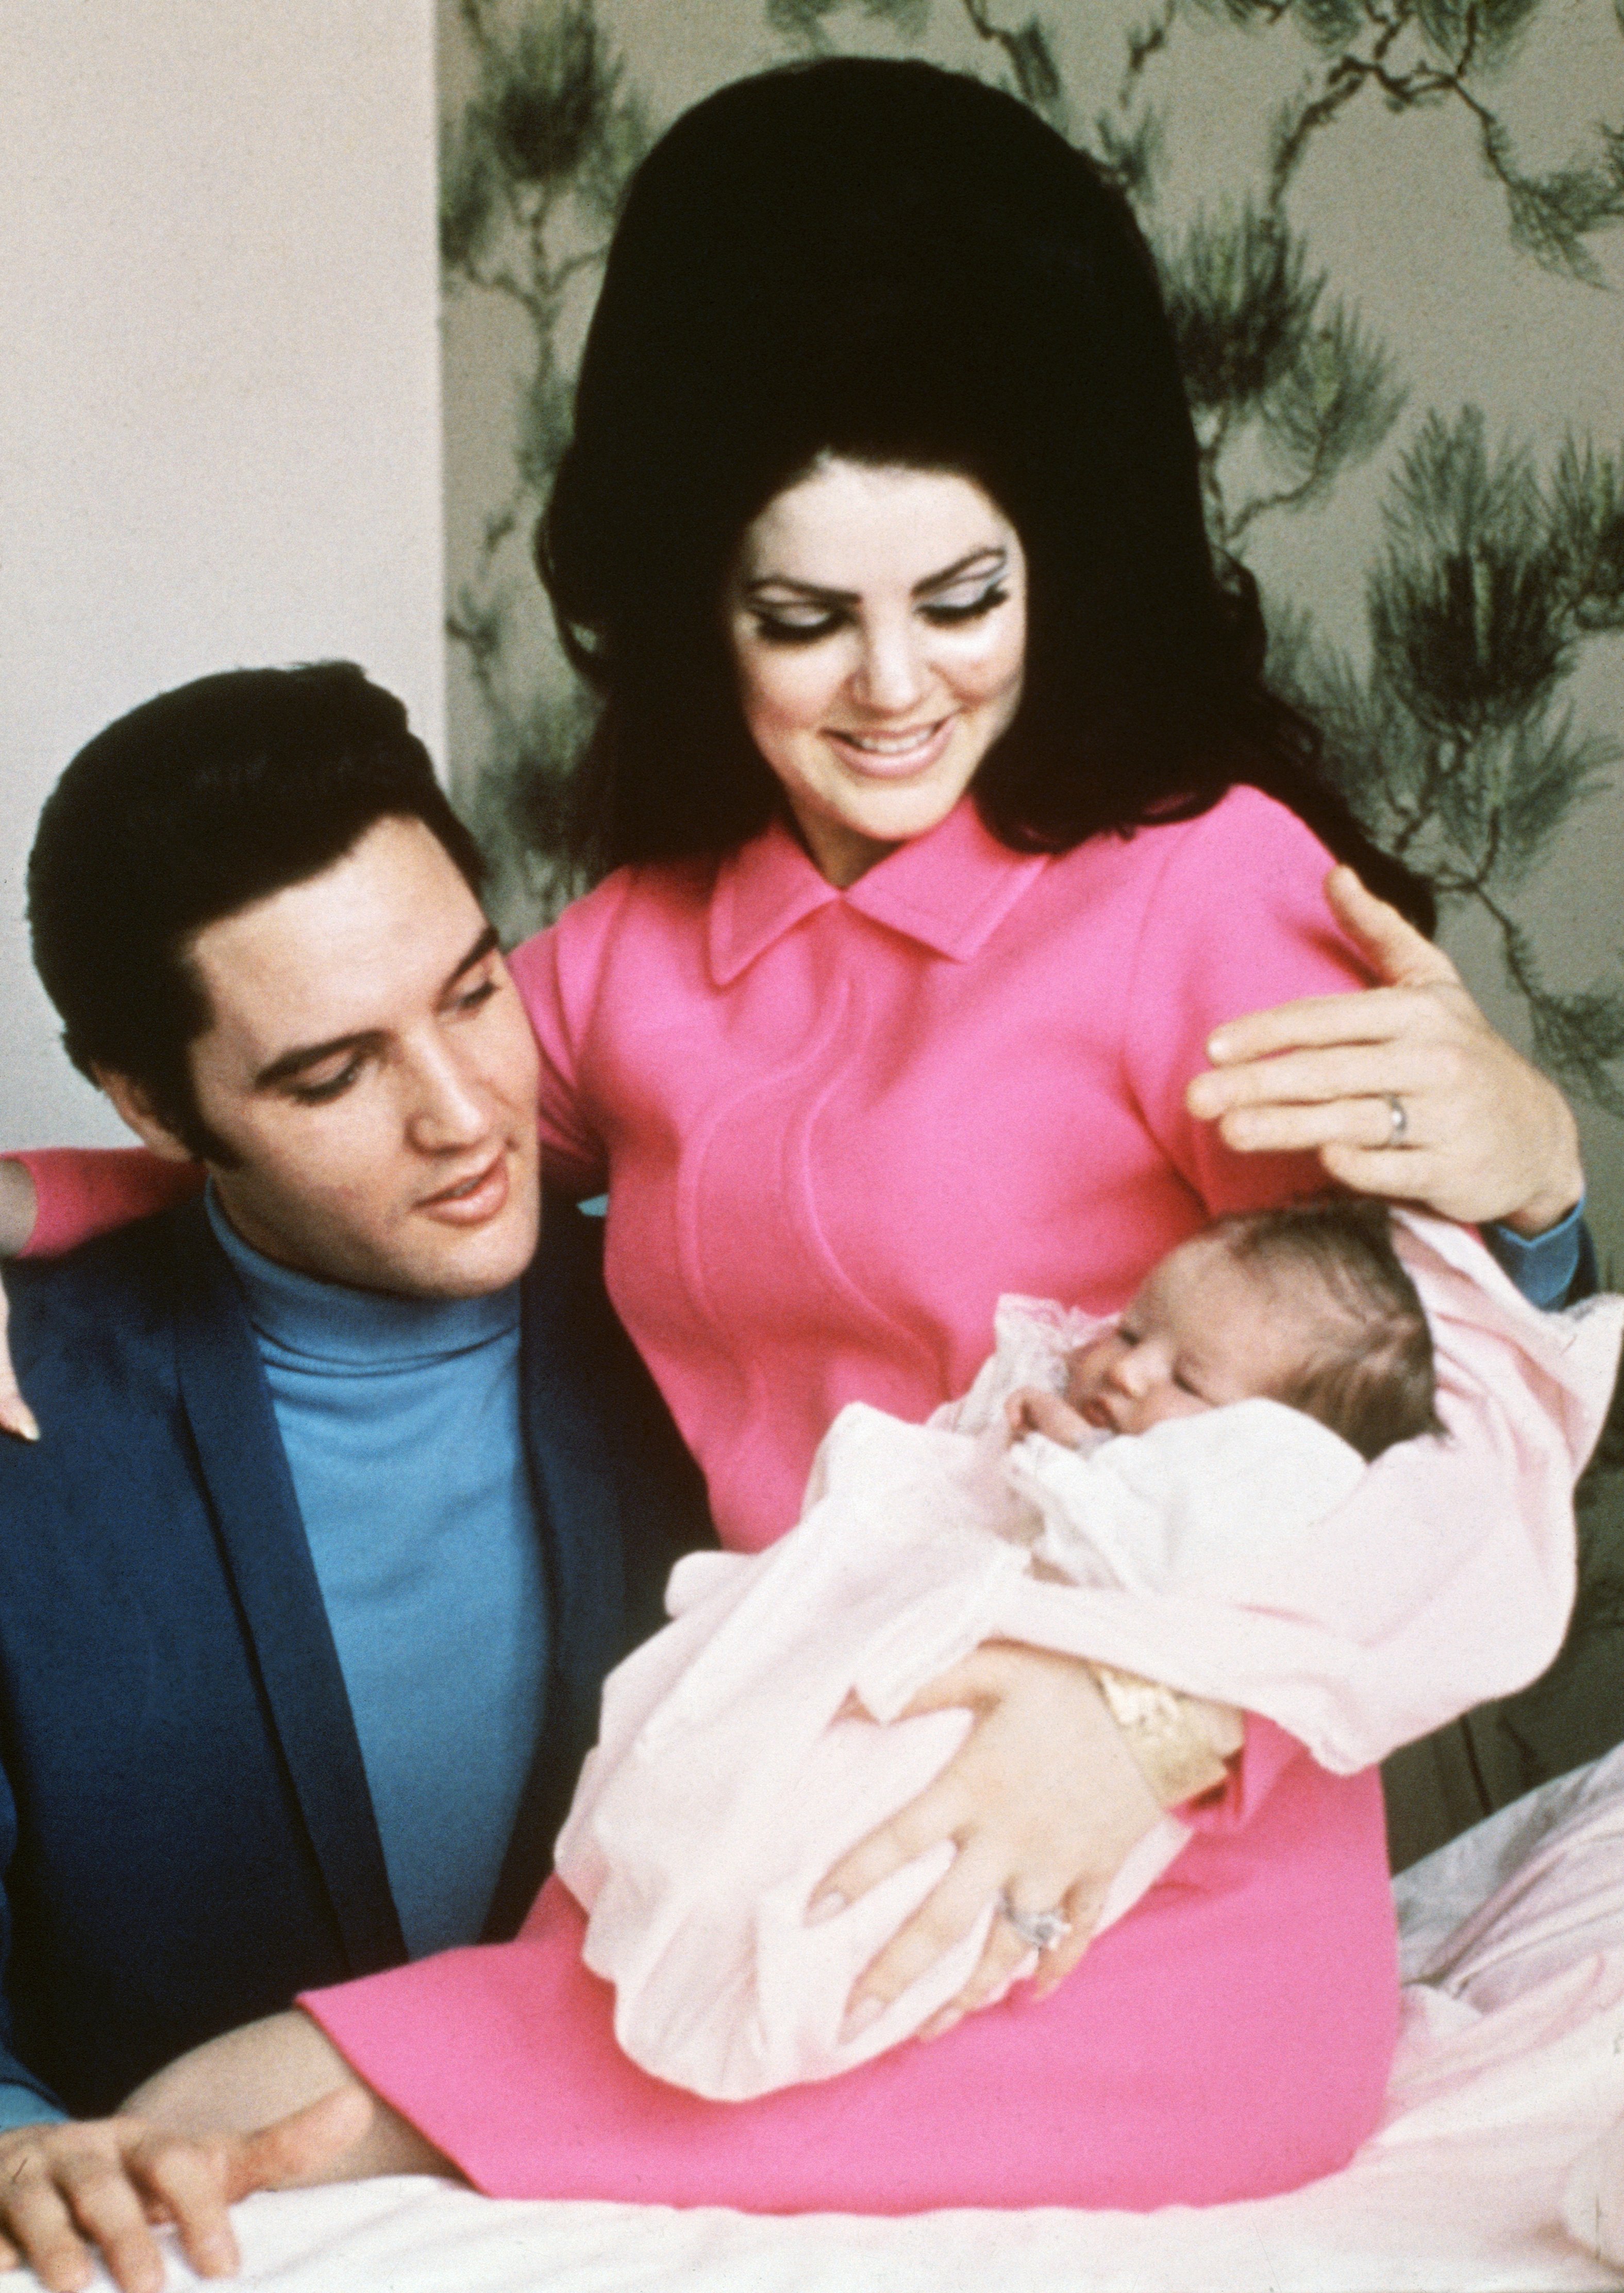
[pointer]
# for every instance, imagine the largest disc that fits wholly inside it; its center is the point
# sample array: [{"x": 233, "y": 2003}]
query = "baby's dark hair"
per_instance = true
[{"x": 1370, "y": 1375}]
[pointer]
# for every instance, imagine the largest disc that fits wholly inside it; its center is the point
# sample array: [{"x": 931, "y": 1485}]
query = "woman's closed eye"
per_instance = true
[
  {"x": 782, "y": 628},
  {"x": 950, "y": 612},
  {"x": 776, "y": 629}
]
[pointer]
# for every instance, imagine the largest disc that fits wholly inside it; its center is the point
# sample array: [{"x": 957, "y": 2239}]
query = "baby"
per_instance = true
[
  {"x": 1126, "y": 1492},
  {"x": 1307, "y": 1305}
]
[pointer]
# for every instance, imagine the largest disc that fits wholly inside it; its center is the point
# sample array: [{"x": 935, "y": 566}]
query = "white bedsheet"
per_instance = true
[{"x": 1511, "y": 2065}]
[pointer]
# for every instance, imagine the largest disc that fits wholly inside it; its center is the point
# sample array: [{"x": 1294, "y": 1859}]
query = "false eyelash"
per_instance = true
[{"x": 973, "y": 612}]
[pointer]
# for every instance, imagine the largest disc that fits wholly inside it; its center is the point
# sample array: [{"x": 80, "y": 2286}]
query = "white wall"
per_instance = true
[{"x": 219, "y": 395}]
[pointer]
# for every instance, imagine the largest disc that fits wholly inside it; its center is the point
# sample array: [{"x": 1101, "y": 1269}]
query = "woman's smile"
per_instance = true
[
  {"x": 894, "y": 756},
  {"x": 878, "y": 620}
]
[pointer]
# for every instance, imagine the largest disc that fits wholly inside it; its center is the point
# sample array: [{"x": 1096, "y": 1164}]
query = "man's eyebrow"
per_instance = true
[
  {"x": 311, "y": 1055},
  {"x": 486, "y": 944},
  {"x": 994, "y": 558}
]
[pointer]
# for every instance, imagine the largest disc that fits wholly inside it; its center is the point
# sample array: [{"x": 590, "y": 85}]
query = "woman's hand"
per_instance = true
[
  {"x": 1484, "y": 1135},
  {"x": 17, "y": 1208},
  {"x": 1043, "y": 1802}
]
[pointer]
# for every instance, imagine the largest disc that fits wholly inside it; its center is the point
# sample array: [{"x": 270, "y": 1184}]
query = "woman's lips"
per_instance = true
[
  {"x": 892, "y": 756},
  {"x": 471, "y": 1201}
]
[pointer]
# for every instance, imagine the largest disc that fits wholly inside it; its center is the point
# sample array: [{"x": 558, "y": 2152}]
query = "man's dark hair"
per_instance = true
[
  {"x": 193, "y": 806},
  {"x": 1370, "y": 1375}
]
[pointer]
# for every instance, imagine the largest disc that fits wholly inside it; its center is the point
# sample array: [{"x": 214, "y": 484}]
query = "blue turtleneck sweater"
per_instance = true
[{"x": 400, "y": 1419}]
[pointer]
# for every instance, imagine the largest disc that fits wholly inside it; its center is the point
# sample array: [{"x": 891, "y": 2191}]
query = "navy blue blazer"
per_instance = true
[{"x": 186, "y": 1836}]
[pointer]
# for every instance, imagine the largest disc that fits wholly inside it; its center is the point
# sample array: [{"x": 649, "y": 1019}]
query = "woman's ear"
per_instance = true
[{"x": 135, "y": 1103}]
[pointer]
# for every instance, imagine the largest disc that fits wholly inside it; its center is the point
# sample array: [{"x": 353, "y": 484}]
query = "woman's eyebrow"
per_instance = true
[{"x": 992, "y": 559}]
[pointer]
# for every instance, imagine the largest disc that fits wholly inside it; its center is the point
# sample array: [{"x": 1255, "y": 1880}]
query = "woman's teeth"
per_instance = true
[{"x": 894, "y": 744}]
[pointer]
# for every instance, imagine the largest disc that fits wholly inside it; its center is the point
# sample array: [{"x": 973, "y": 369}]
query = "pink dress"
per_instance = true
[{"x": 835, "y": 1127}]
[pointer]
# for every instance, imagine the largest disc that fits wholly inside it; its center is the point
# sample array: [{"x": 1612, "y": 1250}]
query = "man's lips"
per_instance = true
[{"x": 472, "y": 1200}]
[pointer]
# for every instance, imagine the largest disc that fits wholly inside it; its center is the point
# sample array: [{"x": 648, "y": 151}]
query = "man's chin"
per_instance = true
[
  {"x": 452, "y": 1263},
  {"x": 414, "y": 1254}
]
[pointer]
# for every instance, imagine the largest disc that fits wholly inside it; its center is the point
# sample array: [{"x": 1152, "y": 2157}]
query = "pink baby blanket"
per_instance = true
[{"x": 1246, "y": 1555}]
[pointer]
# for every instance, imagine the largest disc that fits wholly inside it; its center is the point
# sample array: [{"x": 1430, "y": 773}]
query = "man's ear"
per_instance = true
[{"x": 133, "y": 1102}]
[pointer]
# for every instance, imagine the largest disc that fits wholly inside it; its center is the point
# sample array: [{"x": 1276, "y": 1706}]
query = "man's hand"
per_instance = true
[
  {"x": 1043, "y": 1802},
  {"x": 1484, "y": 1134},
  {"x": 17, "y": 1212},
  {"x": 66, "y": 2189}
]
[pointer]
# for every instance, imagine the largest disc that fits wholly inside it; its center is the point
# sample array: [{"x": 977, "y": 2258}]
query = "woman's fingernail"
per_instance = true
[
  {"x": 825, "y": 1906},
  {"x": 18, "y": 1418},
  {"x": 862, "y": 2017}
]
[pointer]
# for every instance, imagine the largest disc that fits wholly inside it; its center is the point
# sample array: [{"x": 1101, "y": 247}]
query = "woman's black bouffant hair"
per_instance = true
[{"x": 898, "y": 264}]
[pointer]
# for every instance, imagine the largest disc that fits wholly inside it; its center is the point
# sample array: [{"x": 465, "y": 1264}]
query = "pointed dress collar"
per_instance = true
[{"x": 948, "y": 891}]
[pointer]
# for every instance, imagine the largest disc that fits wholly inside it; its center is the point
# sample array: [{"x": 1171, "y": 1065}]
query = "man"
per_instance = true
[{"x": 344, "y": 1505}]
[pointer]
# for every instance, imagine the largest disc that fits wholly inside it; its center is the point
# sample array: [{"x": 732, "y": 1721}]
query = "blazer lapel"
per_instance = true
[
  {"x": 262, "y": 1540},
  {"x": 580, "y": 1522}
]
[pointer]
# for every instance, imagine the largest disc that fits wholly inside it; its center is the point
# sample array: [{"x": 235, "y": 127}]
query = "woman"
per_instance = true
[{"x": 947, "y": 817}]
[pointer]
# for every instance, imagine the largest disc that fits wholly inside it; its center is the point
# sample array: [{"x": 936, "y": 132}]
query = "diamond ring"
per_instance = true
[{"x": 1042, "y": 1930}]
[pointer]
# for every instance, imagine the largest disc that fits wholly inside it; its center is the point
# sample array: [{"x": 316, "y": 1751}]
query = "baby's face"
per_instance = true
[{"x": 1203, "y": 1331}]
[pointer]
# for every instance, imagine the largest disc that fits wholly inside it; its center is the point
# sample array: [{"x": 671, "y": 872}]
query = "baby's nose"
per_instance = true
[{"x": 1136, "y": 1371}]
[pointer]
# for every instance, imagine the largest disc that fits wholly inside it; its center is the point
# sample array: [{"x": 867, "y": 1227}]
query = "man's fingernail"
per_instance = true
[
  {"x": 862, "y": 2017},
  {"x": 825, "y": 1906}
]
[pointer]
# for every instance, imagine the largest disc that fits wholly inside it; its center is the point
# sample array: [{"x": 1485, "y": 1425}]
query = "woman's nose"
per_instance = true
[{"x": 890, "y": 677}]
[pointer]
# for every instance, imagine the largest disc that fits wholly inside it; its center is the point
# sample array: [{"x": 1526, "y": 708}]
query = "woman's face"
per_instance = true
[{"x": 878, "y": 617}]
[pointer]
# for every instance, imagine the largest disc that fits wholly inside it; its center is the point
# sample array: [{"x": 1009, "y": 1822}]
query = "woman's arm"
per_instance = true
[{"x": 16, "y": 1225}]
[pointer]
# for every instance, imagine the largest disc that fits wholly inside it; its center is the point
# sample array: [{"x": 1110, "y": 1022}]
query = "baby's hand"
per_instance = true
[{"x": 1032, "y": 1410}]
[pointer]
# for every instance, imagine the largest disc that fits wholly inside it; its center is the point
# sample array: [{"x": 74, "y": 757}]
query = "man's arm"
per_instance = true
[
  {"x": 270, "y": 2106},
  {"x": 1557, "y": 1268},
  {"x": 68, "y": 2189}
]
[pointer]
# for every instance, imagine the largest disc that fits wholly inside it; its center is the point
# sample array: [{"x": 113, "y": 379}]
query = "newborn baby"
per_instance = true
[
  {"x": 1307, "y": 1305},
  {"x": 1174, "y": 1466}
]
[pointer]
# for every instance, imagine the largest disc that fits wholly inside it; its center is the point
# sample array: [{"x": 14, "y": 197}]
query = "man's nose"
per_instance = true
[{"x": 450, "y": 1106}]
